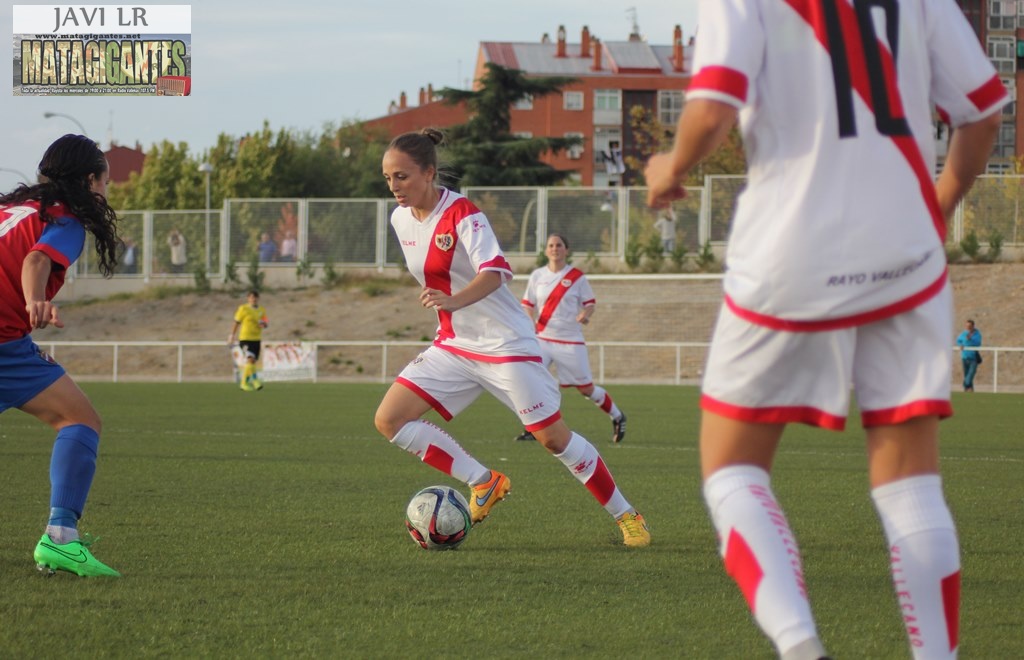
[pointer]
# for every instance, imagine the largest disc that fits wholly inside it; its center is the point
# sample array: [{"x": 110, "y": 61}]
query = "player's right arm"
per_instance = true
[
  {"x": 703, "y": 126},
  {"x": 234, "y": 327},
  {"x": 35, "y": 272}
]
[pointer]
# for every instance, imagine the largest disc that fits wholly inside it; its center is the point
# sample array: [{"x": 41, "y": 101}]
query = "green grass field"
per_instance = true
[{"x": 271, "y": 525}]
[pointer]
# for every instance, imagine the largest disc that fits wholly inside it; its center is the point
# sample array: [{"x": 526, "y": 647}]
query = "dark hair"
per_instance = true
[
  {"x": 420, "y": 145},
  {"x": 253, "y": 292},
  {"x": 565, "y": 241},
  {"x": 64, "y": 177},
  {"x": 971, "y": 321}
]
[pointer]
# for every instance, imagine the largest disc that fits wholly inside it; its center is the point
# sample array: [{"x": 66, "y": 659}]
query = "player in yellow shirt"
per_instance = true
[{"x": 250, "y": 320}]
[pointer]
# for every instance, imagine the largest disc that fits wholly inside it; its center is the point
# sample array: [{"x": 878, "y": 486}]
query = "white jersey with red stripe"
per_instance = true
[
  {"x": 839, "y": 224},
  {"x": 557, "y": 297},
  {"x": 446, "y": 251}
]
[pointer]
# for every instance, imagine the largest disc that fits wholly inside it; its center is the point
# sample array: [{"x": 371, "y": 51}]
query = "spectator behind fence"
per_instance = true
[
  {"x": 176, "y": 243},
  {"x": 289, "y": 246},
  {"x": 666, "y": 226},
  {"x": 971, "y": 336},
  {"x": 267, "y": 248},
  {"x": 130, "y": 257}
]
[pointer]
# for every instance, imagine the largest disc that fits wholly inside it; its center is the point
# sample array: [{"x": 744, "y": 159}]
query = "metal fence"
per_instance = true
[
  {"x": 613, "y": 362},
  {"x": 604, "y": 222}
]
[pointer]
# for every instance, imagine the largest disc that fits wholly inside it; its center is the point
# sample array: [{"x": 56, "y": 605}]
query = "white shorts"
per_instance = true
[
  {"x": 572, "y": 364},
  {"x": 899, "y": 368},
  {"x": 450, "y": 382}
]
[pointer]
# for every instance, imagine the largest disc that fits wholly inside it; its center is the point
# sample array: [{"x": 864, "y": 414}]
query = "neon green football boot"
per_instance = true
[{"x": 73, "y": 557}]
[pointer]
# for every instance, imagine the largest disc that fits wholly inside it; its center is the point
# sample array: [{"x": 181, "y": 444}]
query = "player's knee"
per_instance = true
[
  {"x": 387, "y": 425},
  {"x": 585, "y": 390}
]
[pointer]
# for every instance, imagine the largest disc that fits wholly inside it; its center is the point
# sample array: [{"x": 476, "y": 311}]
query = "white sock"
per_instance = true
[
  {"x": 604, "y": 401},
  {"x": 439, "y": 450},
  {"x": 61, "y": 535},
  {"x": 588, "y": 467},
  {"x": 925, "y": 558},
  {"x": 760, "y": 553}
]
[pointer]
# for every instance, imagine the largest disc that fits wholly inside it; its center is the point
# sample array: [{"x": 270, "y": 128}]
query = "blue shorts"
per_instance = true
[{"x": 25, "y": 371}]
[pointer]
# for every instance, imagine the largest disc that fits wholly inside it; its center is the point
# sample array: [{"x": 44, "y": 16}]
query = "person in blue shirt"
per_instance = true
[
  {"x": 267, "y": 248},
  {"x": 971, "y": 336}
]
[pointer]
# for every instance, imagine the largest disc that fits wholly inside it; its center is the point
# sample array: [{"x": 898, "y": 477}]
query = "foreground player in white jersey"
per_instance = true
[
  {"x": 484, "y": 342},
  {"x": 836, "y": 275},
  {"x": 560, "y": 300}
]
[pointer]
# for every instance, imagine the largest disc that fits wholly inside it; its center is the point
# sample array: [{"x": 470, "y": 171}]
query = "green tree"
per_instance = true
[
  {"x": 170, "y": 179},
  {"x": 340, "y": 161},
  {"x": 651, "y": 136},
  {"x": 483, "y": 151}
]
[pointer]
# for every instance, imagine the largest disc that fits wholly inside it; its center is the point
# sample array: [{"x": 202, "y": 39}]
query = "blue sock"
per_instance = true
[
  {"x": 61, "y": 517},
  {"x": 72, "y": 466}
]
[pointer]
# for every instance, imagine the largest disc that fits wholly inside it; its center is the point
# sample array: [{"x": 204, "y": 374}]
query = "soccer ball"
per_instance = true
[{"x": 438, "y": 518}]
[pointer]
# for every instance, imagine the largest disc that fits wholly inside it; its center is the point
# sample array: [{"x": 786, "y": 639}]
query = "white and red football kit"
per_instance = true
[
  {"x": 487, "y": 346},
  {"x": 835, "y": 104},
  {"x": 490, "y": 337},
  {"x": 22, "y": 231},
  {"x": 446, "y": 251},
  {"x": 556, "y": 299},
  {"x": 836, "y": 272}
]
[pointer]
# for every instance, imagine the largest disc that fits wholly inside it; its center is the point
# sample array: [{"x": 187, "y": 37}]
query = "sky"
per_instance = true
[{"x": 301, "y": 64}]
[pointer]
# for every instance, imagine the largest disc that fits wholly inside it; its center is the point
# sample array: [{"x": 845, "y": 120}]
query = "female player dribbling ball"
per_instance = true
[
  {"x": 42, "y": 232},
  {"x": 484, "y": 342}
]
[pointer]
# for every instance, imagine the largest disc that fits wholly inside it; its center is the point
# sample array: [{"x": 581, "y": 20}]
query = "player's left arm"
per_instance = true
[
  {"x": 484, "y": 284},
  {"x": 492, "y": 269},
  {"x": 585, "y": 313},
  {"x": 588, "y": 302}
]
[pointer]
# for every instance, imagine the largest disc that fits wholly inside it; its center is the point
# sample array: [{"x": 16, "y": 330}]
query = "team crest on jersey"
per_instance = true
[
  {"x": 444, "y": 241},
  {"x": 567, "y": 283}
]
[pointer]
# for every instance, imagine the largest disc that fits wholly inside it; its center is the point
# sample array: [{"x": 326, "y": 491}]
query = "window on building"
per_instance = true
[
  {"x": 608, "y": 99},
  {"x": 670, "y": 105},
  {"x": 1007, "y": 141},
  {"x": 525, "y": 103},
  {"x": 526, "y": 135},
  {"x": 572, "y": 100},
  {"x": 1010, "y": 109},
  {"x": 575, "y": 152},
  {"x": 1003, "y": 53},
  {"x": 1002, "y": 14}
]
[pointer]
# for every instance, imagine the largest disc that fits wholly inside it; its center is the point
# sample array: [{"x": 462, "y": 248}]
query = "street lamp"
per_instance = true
[
  {"x": 49, "y": 115},
  {"x": 207, "y": 169},
  {"x": 525, "y": 222}
]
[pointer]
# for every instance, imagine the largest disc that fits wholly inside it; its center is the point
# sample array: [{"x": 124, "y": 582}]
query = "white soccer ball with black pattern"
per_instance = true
[{"x": 438, "y": 518}]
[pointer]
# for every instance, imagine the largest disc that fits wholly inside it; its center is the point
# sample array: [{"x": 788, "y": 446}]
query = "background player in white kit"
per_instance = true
[
  {"x": 484, "y": 343},
  {"x": 836, "y": 274},
  {"x": 560, "y": 300}
]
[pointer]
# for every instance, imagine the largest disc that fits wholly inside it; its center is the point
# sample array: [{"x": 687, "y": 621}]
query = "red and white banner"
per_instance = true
[{"x": 284, "y": 360}]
